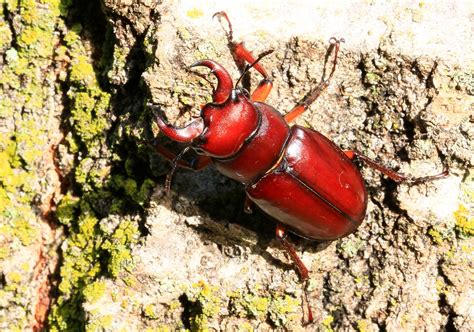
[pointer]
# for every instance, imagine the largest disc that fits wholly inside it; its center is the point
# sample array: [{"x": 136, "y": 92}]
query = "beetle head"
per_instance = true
[
  {"x": 224, "y": 124},
  {"x": 227, "y": 126}
]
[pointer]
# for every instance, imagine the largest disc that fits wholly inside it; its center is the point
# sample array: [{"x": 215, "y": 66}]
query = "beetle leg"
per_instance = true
[
  {"x": 197, "y": 163},
  {"x": 302, "y": 270},
  {"x": 240, "y": 52},
  {"x": 397, "y": 177},
  {"x": 248, "y": 205},
  {"x": 242, "y": 55},
  {"x": 316, "y": 92}
]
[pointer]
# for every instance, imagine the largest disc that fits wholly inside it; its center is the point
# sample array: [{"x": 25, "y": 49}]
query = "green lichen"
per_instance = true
[
  {"x": 327, "y": 323},
  {"x": 101, "y": 323},
  {"x": 284, "y": 309},
  {"x": 118, "y": 247},
  {"x": 435, "y": 235},
  {"x": 67, "y": 209},
  {"x": 4, "y": 252},
  {"x": 5, "y": 35},
  {"x": 464, "y": 221},
  {"x": 131, "y": 190},
  {"x": 94, "y": 249},
  {"x": 94, "y": 291},
  {"x": 14, "y": 277},
  {"x": 28, "y": 35},
  {"x": 150, "y": 311},
  {"x": 206, "y": 305},
  {"x": 464, "y": 215},
  {"x": 372, "y": 78},
  {"x": 249, "y": 305},
  {"x": 464, "y": 81},
  {"x": 351, "y": 246},
  {"x": 441, "y": 286},
  {"x": 362, "y": 325},
  {"x": 194, "y": 13},
  {"x": 25, "y": 231},
  {"x": 118, "y": 69}
]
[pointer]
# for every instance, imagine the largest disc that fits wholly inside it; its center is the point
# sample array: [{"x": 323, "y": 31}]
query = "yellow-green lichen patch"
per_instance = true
[
  {"x": 67, "y": 209},
  {"x": 464, "y": 216},
  {"x": 118, "y": 247},
  {"x": 90, "y": 112},
  {"x": 194, "y": 13},
  {"x": 442, "y": 234},
  {"x": 13, "y": 277},
  {"x": 362, "y": 325},
  {"x": 436, "y": 235},
  {"x": 94, "y": 291},
  {"x": 150, "y": 311},
  {"x": 284, "y": 310},
  {"x": 5, "y": 35},
  {"x": 206, "y": 304},
  {"x": 350, "y": 246},
  {"x": 90, "y": 244},
  {"x": 464, "y": 221},
  {"x": 131, "y": 190},
  {"x": 101, "y": 323},
  {"x": 87, "y": 247},
  {"x": 249, "y": 305},
  {"x": 327, "y": 323},
  {"x": 29, "y": 113}
]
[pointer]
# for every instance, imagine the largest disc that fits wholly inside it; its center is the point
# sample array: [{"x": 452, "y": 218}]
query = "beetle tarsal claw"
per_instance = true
[
  {"x": 334, "y": 40},
  {"x": 229, "y": 33}
]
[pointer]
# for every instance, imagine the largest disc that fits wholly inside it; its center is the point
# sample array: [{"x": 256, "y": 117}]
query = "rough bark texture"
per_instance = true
[{"x": 89, "y": 240}]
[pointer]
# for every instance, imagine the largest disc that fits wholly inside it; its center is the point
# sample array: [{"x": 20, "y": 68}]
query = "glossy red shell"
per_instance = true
[
  {"x": 316, "y": 191},
  {"x": 263, "y": 150}
]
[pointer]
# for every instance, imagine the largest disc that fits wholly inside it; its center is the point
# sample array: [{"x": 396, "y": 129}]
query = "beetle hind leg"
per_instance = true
[
  {"x": 302, "y": 269},
  {"x": 396, "y": 176},
  {"x": 303, "y": 105}
]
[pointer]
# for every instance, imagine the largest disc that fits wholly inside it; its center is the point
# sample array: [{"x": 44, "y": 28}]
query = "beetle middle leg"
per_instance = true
[
  {"x": 241, "y": 56},
  {"x": 316, "y": 92},
  {"x": 396, "y": 176}
]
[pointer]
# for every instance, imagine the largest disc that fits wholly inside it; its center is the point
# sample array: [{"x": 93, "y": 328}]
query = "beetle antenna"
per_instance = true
[
  {"x": 249, "y": 66},
  {"x": 174, "y": 164}
]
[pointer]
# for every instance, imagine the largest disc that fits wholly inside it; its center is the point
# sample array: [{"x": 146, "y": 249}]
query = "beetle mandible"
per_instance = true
[{"x": 294, "y": 174}]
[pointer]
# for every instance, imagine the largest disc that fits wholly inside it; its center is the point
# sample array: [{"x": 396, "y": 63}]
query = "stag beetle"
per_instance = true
[{"x": 294, "y": 174}]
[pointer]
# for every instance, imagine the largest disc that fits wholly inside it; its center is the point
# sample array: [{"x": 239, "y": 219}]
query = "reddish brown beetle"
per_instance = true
[{"x": 294, "y": 174}]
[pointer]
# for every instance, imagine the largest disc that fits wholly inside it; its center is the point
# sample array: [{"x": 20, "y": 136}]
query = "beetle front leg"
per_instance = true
[
  {"x": 197, "y": 163},
  {"x": 248, "y": 204},
  {"x": 316, "y": 92},
  {"x": 302, "y": 269},
  {"x": 397, "y": 177},
  {"x": 242, "y": 55}
]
